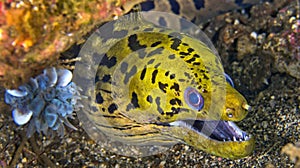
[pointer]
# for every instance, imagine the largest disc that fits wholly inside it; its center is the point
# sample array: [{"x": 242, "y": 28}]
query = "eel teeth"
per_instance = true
[
  {"x": 246, "y": 138},
  {"x": 234, "y": 138}
]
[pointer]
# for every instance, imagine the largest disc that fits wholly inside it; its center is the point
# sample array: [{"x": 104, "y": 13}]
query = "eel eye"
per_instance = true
[
  {"x": 193, "y": 98},
  {"x": 229, "y": 80}
]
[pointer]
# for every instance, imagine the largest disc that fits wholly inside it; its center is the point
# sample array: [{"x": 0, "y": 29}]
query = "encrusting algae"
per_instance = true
[{"x": 34, "y": 33}]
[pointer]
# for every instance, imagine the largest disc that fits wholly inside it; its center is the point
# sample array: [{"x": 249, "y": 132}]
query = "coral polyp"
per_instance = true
[{"x": 45, "y": 102}]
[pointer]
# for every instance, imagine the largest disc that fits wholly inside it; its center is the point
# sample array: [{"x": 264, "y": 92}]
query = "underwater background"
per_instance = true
[{"x": 258, "y": 43}]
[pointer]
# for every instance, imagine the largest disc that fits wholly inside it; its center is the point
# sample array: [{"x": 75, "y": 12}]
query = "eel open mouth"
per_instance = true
[{"x": 216, "y": 130}]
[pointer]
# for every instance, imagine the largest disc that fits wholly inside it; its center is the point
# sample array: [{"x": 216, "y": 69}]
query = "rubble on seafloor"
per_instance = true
[
  {"x": 293, "y": 151},
  {"x": 265, "y": 42}
]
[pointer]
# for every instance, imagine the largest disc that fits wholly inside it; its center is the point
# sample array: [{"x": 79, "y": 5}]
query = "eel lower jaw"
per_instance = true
[{"x": 217, "y": 130}]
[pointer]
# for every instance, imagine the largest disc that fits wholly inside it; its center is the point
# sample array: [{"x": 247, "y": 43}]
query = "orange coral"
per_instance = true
[{"x": 33, "y": 33}]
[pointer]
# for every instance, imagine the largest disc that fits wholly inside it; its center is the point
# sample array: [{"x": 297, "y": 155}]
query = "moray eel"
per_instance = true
[
  {"x": 199, "y": 11},
  {"x": 149, "y": 85}
]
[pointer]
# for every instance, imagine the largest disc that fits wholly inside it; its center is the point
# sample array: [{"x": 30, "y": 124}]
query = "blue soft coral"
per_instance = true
[{"x": 46, "y": 101}]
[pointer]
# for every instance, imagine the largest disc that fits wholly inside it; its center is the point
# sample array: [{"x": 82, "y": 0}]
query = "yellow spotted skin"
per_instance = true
[{"x": 140, "y": 83}]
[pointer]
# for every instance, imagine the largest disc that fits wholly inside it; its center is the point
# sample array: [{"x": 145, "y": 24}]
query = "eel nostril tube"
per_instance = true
[{"x": 246, "y": 106}]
